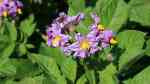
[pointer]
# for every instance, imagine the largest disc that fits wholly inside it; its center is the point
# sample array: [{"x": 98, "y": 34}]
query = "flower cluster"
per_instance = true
[
  {"x": 10, "y": 7},
  {"x": 81, "y": 46},
  {"x": 57, "y": 31}
]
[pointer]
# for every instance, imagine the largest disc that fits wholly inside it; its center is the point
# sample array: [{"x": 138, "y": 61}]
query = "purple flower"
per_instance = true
[
  {"x": 57, "y": 39},
  {"x": 84, "y": 46},
  {"x": 65, "y": 21},
  {"x": 56, "y": 33},
  {"x": 105, "y": 36},
  {"x": 96, "y": 25},
  {"x": 54, "y": 27},
  {"x": 10, "y": 7},
  {"x": 95, "y": 18}
]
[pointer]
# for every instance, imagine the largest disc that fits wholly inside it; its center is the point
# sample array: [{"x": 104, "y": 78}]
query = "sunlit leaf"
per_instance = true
[
  {"x": 30, "y": 80},
  {"x": 91, "y": 77},
  {"x": 140, "y": 11},
  {"x": 69, "y": 68},
  {"x": 148, "y": 48},
  {"x": 10, "y": 30},
  {"x": 25, "y": 68},
  {"x": 76, "y": 6},
  {"x": 6, "y": 68},
  {"x": 119, "y": 17},
  {"x": 131, "y": 42},
  {"x": 107, "y": 76},
  {"x": 49, "y": 65},
  {"x": 113, "y": 13},
  {"x": 7, "y": 50},
  {"x": 28, "y": 26},
  {"x": 82, "y": 79},
  {"x": 56, "y": 53}
]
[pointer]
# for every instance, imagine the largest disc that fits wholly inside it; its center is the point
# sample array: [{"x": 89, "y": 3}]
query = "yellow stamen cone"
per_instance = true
[
  {"x": 84, "y": 45},
  {"x": 113, "y": 41},
  {"x": 56, "y": 40},
  {"x": 5, "y": 13}
]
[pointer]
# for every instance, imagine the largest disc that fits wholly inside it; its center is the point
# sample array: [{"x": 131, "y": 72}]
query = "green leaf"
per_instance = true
[
  {"x": 25, "y": 68},
  {"x": 105, "y": 53},
  {"x": 30, "y": 80},
  {"x": 74, "y": 6},
  {"x": 91, "y": 77},
  {"x": 7, "y": 50},
  {"x": 48, "y": 80},
  {"x": 140, "y": 11},
  {"x": 61, "y": 80},
  {"x": 105, "y": 9},
  {"x": 9, "y": 81},
  {"x": 6, "y": 68},
  {"x": 3, "y": 42},
  {"x": 141, "y": 78},
  {"x": 26, "y": 80},
  {"x": 131, "y": 42},
  {"x": 119, "y": 17},
  {"x": 55, "y": 53},
  {"x": 130, "y": 39},
  {"x": 129, "y": 57},
  {"x": 28, "y": 26},
  {"x": 49, "y": 65},
  {"x": 30, "y": 46},
  {"x": 82, "y": 28},
  {"x": 147, "y": 52},
  {"x": 69, "y": 69},
  {"x": 74, "y": 9},
  {"x": 10, "y": 31},
  {"x": 22, "y": 49},
  {"x": 87, "y": 77},
  {"x": 82, "y": 79},
  {"x": 107, "y": 76},
  {"x": 113, "y": 13}
]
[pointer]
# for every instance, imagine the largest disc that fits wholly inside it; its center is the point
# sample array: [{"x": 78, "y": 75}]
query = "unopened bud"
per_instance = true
[{"x": 19, "y": 11}]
